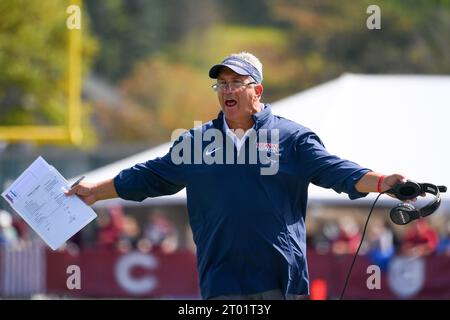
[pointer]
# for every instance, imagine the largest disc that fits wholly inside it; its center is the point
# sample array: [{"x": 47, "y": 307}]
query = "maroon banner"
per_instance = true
[
  {"x": 404, "y": 278},
  {"x": 106, "y": 273},
  {"x": 174, "y": 276}
]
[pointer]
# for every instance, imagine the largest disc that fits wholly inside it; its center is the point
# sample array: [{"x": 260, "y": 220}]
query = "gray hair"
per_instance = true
[{"x": 250, "y": 58}]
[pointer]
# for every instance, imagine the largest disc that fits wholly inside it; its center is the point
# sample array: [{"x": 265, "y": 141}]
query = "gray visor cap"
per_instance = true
[{"x": 239, "y": 66}]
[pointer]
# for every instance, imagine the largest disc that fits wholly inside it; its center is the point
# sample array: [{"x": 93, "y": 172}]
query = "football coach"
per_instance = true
[{"x": 248, "y": 224}]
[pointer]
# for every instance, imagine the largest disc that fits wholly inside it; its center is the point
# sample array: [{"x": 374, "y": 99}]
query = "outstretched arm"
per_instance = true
[
  {"x": 369, "y": 182},
  {"x": 152, "y": 178}
]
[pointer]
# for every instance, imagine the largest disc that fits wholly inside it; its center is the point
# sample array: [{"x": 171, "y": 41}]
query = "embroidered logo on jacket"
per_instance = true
[{"x": 268, "y": 147}]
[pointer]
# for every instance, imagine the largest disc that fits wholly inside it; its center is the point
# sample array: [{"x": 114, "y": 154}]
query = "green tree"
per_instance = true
[
  {"x": 333, "y": 36},
  {"x": 172, "y": 89},
  {"x": 132, "y": 30},
  {"x": 158, "y": 97},
  {"x": 301, "y": 43},
  {"x": 34, "y": 61}
]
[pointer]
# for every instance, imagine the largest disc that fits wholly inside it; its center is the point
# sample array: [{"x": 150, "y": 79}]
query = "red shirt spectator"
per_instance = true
[
  {"x": 420, "y": 240},
  {"x": 349, "y": 237},
  {"x": 111, "y": 227}
]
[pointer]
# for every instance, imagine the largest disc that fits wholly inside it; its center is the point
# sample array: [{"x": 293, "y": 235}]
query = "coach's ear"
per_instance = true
[{"x": 259, "y": 90}]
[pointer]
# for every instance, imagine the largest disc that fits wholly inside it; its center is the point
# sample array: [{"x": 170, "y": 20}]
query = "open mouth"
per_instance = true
[{"x": 230, "y": 102}]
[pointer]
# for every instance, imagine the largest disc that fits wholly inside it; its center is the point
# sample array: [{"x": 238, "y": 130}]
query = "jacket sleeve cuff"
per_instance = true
[{"x": 352, "y": 181}]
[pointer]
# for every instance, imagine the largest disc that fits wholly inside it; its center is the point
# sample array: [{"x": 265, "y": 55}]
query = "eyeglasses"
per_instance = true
[{"x": 232, "y": 86}]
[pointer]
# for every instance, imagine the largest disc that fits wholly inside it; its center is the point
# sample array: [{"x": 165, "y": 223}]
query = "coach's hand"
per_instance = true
[
  {"x": 390, "y": 181},
  {"x": 92, "y": 192},
  {"x": 377, "y": 182},
  {"x": 85, "y": 191}
]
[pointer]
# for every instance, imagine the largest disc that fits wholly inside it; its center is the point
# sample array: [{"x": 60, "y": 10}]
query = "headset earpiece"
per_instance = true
[
  {"x": 404, "y": 213},
  {"x": 407, "y": 191}
]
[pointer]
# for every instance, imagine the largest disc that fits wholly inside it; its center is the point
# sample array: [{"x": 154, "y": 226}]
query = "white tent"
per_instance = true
[{"x": 389, "y": 123}]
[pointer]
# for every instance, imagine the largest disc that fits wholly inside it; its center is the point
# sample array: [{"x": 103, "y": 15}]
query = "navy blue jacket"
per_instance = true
[{"x": 249, "y": 228}]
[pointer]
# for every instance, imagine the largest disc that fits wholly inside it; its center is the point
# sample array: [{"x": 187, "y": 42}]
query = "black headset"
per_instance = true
[{"x": 404, "y": 213}]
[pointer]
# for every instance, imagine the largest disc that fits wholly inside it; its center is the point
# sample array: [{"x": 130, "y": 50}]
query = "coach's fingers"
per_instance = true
[
  {"x": 70, "y": 192},
  {"x": 80, "y": 190}
]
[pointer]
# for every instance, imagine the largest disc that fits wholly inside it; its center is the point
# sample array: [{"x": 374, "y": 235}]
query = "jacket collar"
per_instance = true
[{"x": 260, "y": 118}]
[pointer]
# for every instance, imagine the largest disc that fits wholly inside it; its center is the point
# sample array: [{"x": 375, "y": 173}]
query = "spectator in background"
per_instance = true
[
  {"x": 420, "y": 240},
  {"x": 8, "y": 234},
  {"x": 381, "y": 243},
  {"x": 129, "y": 239},
  {"x": 444, "y": 244},
  {"x": 73, "y": 245},
  {"x": 161, "y": 233},
  {"x": 347, "y": 241},
  {"x": 110, "y": 227},
  {"x": 23, "y": 230},
  {"x": 326, "y": 235}
]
